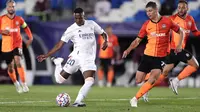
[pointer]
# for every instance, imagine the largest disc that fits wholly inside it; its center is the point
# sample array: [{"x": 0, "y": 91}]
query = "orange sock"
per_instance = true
[
  {"x": 147, "y": 77},
  {"x": 187, "y": 71},
  {"x": 145, "y": 87},
  {"x": 12, "y": 76},
  {"x": 21, "y": 73},
  {"x": 110, "y": 75},
  {"x": 100, "y": 74},
  {"x": 159, "y": 80}
]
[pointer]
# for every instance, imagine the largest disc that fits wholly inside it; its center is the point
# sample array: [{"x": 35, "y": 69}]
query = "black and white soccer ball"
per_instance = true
[{"x": 63, "y": 100}]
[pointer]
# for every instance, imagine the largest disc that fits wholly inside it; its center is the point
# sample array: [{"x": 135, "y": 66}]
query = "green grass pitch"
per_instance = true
[{"x": 115, "y": 99}]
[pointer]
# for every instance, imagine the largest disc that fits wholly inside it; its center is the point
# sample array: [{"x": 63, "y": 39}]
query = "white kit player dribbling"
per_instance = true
[{"x": 82, "y": 34}]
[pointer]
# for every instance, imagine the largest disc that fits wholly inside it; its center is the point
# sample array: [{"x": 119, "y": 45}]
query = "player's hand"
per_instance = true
[
  {"x": 105, "y": 45},
  {"x": 178, "y": 49},
  {"x": 41, "y": 58},
  {"x": 5, "y": 32},
  {"x": 125, "y": 54}
]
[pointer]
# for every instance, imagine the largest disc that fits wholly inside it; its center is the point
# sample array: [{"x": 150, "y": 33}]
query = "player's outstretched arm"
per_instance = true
[
  {"x": 133, "y": 45},
  {"x": 57, "y": 47},
  {"x": 179, "y": 46},
  {"x": 105, "y": 37}
]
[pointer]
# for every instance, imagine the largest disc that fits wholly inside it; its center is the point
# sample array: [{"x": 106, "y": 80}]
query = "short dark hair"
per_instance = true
[
  {"x": 183, "y": 1},
  {"x": 78, "y": 10},
  {"x": 8, "y": 1},
  {"x": 151, "y": 4}
]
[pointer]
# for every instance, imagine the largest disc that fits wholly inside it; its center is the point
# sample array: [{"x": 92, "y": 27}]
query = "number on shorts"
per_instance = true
[
  {"x": 70, "y": 62},
  {"x": 20, "y": 51}
]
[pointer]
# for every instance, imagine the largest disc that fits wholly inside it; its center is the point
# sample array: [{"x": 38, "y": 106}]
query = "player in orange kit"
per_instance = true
[
  {"x": 12, "y": 44},
  {"x": 187, "y": 23},
  {"x": 106, "y": 56},
  {"x": 157, "y": 30}
]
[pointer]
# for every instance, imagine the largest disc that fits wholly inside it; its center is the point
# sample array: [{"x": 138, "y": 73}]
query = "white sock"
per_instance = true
[
  {"x": 176, "y": 79},
  {"x": 16, "y": 84},
  {"x": 84, "y": 89},
  {"x": 58, "y": 77}
]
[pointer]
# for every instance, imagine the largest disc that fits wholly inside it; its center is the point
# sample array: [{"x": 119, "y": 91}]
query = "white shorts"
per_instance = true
[{"x": 74, "y": 64}]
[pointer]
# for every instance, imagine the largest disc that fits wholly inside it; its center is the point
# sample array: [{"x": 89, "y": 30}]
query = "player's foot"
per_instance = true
[
  {"x": 25, "y": 88},
  {"x": 18, "y": 87},
  {"x": 174, "y": 85},
  {"x": 81, "y": 104},
  {"x": 57, "y": 60},
  {"x": 101, "y": 83},
  {"x": 133, "y": 102},
  {"x": 145, "y": 97},
  {"x": 109, "y": 84}
]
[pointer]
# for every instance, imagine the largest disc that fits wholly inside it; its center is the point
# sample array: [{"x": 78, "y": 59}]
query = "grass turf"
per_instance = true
[{"x": 116, "y": 99}]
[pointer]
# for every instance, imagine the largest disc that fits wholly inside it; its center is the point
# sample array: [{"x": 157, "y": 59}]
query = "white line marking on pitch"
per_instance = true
[{"x": 46, "y": 101}]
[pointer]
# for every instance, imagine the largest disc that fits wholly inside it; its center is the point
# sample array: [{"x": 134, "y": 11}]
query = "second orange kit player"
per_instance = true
[
  {"x": 157, "y": 30},
  {"x": 106, "y": 56},
  {"x": 186, "y": 22},
  {"x": 12, "y": 44}
]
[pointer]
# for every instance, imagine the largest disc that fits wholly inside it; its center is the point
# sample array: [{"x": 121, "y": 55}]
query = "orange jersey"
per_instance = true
[
  {"x": 188, "y": 25},
  {"x": 158, "y": 36},
  {"x": 109, "y": 52},
  {"x": 13, "y": 26}
]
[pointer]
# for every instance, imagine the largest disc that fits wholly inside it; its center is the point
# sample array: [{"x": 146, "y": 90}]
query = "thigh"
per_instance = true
[
  {"x": 140, "y": 76},
  {"x": 18, "y": 52},
  {"x": 8, "y": 57},
  {"x": 144, "y": 65},
  {"x": 71, "y": 66},
  {"x": 87, "y": 65},
  {"x": 184, "y": 56},
  {"x": 172, "y": 58}
]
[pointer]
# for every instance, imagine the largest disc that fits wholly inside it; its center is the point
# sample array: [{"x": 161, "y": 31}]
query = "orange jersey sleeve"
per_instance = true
[
  {"x": 158, "y": 37},
  {"x": 142, "y": 32},
  {"x": 109, "y": 52},
  {"x": 194, "y": 29}
]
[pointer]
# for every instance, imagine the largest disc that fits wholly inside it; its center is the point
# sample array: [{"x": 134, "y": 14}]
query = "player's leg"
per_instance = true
[
  {"x": 62, "y": 73},
  {"x": 21, "y": 72},
  {"x": 110, "y": 75},
  {"x": 89, "y": 81},
  {"x": 88, "y": 71},
  {"x": 17, "y": 52},
  {"x": 100, "y": 73},
  {"x": 9, "y": 57},
  {"x": 187, "y": 71}
]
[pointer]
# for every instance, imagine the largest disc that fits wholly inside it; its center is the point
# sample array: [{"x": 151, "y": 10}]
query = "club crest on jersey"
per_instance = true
[
  {"x": 164, "y": 26},
  {"x": 17, "y": 23},
  {"x": 189, "y": 23}
]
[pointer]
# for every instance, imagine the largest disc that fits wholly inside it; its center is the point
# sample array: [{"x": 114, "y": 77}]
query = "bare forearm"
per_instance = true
[
  {"x": 181, "y": 32},
  {"x": 133, "y": 45},
  {"x": 54, "y": 50}
]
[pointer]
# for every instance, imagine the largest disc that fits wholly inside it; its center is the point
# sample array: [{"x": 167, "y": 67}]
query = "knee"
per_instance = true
[
  {"x": 138, "y": 81},
  {"x": 165, "y": 72},
  {"x": 89, "y": 80}
]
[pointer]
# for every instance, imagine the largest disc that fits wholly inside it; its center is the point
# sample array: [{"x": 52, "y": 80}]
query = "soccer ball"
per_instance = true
[{"x": 63, "y": 100}]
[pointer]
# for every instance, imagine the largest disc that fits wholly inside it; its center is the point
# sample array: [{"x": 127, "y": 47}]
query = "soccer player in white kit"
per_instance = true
[{"x": 82, "y": 34}]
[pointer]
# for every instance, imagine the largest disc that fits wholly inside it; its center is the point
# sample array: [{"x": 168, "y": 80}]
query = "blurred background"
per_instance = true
[{"x": 48, "y": 19}]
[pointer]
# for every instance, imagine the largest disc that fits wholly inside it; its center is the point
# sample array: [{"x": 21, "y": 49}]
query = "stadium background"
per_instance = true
[{"x": 50, "y": 19}]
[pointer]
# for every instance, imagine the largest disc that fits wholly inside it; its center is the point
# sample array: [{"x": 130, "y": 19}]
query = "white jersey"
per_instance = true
[{"x": 83, "y": 38}]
